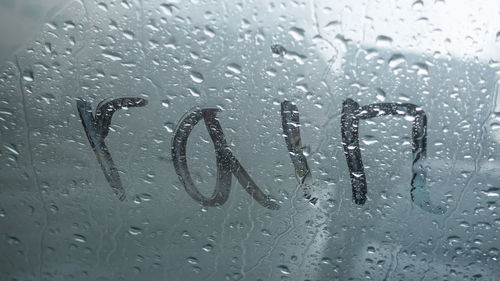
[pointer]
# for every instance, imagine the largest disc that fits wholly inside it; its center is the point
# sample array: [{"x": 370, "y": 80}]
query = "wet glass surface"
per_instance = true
[{"x": 220, "y": 140}]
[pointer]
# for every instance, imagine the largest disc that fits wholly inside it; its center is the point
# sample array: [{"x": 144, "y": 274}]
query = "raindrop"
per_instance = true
[
  {"x": 396, "y": 60},
  {"x": 380, "y": 94},
  {"x": 492, "y": 192},
  {"x": 125, "y": 4},
  {"x": 409, "y": 118},
  {"x": 48, "y": 47},
  {"x": 12, "y": 149},
  {"x": 271, "y": 72},
  {"x": 13, "y": 240},
  {"x": 103, "y": 6},
  {"x": 234, "y": 68},
  {"x": 53, "y": 208},
  {"x": 165, "y": 103},
  {"x": 209, "y": 32},
  {"x": 28, "y": 75},
  {"x": 196, "y": 77},
  {"x": 208, "y": 248},
  {"x": 277, "y": 49},
  {"x": 128, "y": 34},
  {"x": 193, "y": 92},
  {"x": 266, "y": 232},
  {"x": 453, "y": 239},
  {"x": 369, "y": 140},
  {"x": 326, "y": 260},
  {"x": 297, "y": 33},
  {"x": 332, "y": 25},
  {"x": 384, "y": 41},
  {"x": 302, "y": 87},
  {"x": 79, "y": 238},
  {"x": 421, "y": 68},
  {"x": 192, "y": 260},
  {"x": 284, "y": 269},
  {"x": 169, "y": 126},
  {"x": 167, "y": 9},
  {"x": 418, "y": 4},
  {"x": 134, "y": 230},
  {"x": 69, "y": 25},
  {"x": 111, "y": 55}
]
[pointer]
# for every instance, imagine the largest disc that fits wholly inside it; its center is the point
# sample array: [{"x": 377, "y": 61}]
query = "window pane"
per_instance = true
[{"x": 252, "y": 140}]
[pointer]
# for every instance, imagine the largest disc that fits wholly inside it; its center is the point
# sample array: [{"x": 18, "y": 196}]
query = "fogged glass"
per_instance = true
[{"x": 252, "y": 140}]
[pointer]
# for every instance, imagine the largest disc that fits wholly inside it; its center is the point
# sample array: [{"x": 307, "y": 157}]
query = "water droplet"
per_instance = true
[
  {"x": 271, "y": 72},
  {"x": 193, "y": 92},
  {"x": 326, "y": 260},
  {"x": 165, "y": 103},
  {"x": 234, "y": 68},
  {"x": 453, "y": 239},
  {"x": 422, "y": 68},
  {"x": 277, "y": 49},
  {"x": 208, "y": 248},
  {"x": 284, "y": 269},
  {"x": 48, "y": 47},
  {"x": 169, "y": 126},
  {"x": 111, "y": 55},
  {"x": 297, "y": 33},
  {"x": 134, "y": 230},
  {"x": 396, "y": 60},
  {"x": 13, "y": 240},
  {"x": 332, "y": 25},
  {"x": 12, "y": 149},
  {"x": 79, "y": 238},
  {"x": 369, "y": 141},
  {"x": 167, "y": 9},
  {"x": 417, "y": 4},
  {"x": 53, "y": 208},
  {"x": 409, "y": 118},
  {"x": 103, "y": 6},
  {"x": 380, "y": 94},
  {"x": 302, "y": 87},
  {"x": 69, "y": 25},
  {"x": 125, "y": 4},
  {"x": 128, "y": 34},
  {"x": 209, "y": 32},
  {"x": 492, "y": 192},
  {"x": 28, "y": 75},
  {"x": 196, "y": 77},
  {"x": 266, "y": 232},
  {"x": 370, "y": 250},
  {"x": 384, "y": 41}
]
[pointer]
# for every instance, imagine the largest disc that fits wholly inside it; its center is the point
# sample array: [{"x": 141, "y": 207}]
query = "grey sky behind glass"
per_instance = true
[{"x": 22, "y": 20}]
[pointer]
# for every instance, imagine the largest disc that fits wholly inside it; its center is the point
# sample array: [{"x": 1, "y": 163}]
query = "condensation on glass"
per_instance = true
[{"x": 252, "y": 140}]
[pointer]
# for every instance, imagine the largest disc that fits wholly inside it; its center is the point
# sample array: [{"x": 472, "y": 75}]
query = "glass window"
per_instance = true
[{"x": 249, "y": 140}]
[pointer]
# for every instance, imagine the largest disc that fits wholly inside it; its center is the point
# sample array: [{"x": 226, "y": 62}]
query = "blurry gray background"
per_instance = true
[{"x": 21, "y": 20}]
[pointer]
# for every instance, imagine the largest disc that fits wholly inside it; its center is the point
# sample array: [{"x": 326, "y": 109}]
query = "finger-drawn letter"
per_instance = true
[
  {"x": 227, "y": 164},
  {"x": 291, "y": 129},
  {"x": 97, "y": 128},
  {"x": 352, "y": 113}
]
